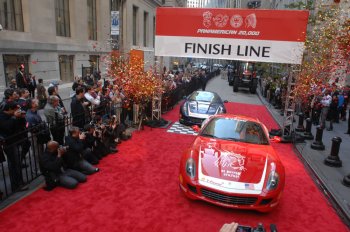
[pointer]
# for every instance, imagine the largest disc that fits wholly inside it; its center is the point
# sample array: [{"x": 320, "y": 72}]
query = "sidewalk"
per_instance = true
[{"x": 328, "y": 178}]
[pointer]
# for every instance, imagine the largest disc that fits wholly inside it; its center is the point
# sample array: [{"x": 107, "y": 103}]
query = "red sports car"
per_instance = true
[{"x": 231, "y": 163}]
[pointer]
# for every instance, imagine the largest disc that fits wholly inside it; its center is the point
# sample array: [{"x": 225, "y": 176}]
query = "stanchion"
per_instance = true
[
  {"x": 318, "y": 144},
  {"x": 346, "y": 180},
  {"x": 307, "y": 134},
  {"x": 300, "y": 127},
  {"x": 333, "y": 159}
]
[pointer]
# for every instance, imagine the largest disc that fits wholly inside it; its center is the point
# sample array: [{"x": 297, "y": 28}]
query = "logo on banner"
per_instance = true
[
  {"x": 236, "y": 21},
  {"x": 250, "y": 21},
  {"x": 220, "y": 20}
]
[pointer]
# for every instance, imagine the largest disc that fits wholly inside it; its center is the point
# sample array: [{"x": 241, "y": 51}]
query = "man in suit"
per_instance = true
[
  {"x": 32, "y": 85},
  {"x": 21, "y": 79}
]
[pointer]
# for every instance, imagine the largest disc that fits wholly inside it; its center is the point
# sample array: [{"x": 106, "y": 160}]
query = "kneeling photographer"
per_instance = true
[
  {"x": 77, "y": 154},
  {"x": 93, "y": 141},
  {"x": 51, "y": 165},
  {"x": 105, "y": 132}
]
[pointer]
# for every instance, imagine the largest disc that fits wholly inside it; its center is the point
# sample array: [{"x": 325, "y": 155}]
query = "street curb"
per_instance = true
[{"x": 313, "y": 174}]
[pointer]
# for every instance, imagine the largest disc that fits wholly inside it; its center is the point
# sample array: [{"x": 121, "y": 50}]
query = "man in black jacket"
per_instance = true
[
  {"x": 77, "y": 107},
  {"x": 21, "y": 79},
  {"x": 76, "y": 152},
  {"x": 9, "y": 127},
  {"x": 51, "y": 165}
]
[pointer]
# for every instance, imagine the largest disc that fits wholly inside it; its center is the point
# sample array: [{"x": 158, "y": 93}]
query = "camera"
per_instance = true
[{"x": 63, "y": 148}]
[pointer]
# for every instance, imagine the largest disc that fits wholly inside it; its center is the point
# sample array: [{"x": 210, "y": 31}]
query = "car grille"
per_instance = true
[
  {"x": 196, "y": 120},
  {"x": 228, "y": 199}
]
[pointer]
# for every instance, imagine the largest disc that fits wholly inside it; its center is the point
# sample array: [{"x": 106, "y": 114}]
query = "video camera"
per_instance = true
[{"x": 259, "y": 228}]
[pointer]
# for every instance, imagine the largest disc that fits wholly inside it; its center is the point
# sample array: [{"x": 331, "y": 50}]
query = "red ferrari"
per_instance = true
[{"x": 232, "y": 164}]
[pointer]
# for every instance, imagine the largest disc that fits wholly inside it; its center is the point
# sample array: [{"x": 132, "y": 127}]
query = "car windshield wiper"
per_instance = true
[
  {"x": 209, "y": 135},
  {"x": 230, "y": 138}
]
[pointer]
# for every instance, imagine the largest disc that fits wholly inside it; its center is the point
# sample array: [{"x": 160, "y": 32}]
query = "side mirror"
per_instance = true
[
  {"x": 225, "y": 101},
  {"x": 196, "y": 128}
]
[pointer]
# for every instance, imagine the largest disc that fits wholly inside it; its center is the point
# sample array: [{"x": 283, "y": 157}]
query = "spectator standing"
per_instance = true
[
  {"x": 53, "y": 90},
  {"x": 41, "y": 94},
  {"x": 32, "y": 85},
  {"x": 13, "y": 84},
  {"x": 23, "y": 100},
  {"x": 325, "y": 102},
  {"x": 54, "y": 116},
  {"x": 9, "y": 116},
  {"x": 341, "y": 105},
  {"x": 21, "y": 79},
  {"x": 333, "y": 110},
  {"x": 78, "y": 108}
]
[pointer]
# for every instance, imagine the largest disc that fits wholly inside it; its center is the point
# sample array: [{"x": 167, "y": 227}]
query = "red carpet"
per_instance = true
[{"x": 137, "y": 190}]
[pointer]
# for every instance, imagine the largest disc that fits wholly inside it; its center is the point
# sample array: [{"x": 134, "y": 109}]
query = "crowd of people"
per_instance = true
[
  {"x": 70, "y": 145},
  {"x": 325, "y": 105}
]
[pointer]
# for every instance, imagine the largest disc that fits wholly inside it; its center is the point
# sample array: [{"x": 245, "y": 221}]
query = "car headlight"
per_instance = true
[
  {"x": 185, "y": 108},
  {"x": 191, "y": 168},
  {"x": 272, "y": 181}
]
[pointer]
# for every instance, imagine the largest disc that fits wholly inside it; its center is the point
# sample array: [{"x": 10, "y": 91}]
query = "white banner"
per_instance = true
[
  {"x": 114, "y": 22},
  {"x": 230, "y": 49}
]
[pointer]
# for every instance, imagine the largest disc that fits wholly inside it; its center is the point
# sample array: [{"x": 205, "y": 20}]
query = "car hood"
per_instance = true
[
  {"x": 231, "y": 165},
  {"x": 201, "y": 109}
]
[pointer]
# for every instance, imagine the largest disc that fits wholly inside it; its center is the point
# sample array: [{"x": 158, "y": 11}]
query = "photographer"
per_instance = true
[
  {"x": 9, "y": 127},
  {"x": 51, "y": 164},
  {"x": 76, "y": 153},
  {"x": 105, "y": 132},
  {"x": 93, "y": 142}
]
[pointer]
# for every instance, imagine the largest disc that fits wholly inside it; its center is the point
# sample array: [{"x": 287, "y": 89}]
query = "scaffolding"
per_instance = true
[
  {"x": 156, "y": 107},
  {"x": 290, "y": 102}
]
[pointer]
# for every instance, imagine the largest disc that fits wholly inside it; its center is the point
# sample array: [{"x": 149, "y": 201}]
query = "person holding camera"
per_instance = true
[
  {"x": 10, "y": 114},
  {"x": 77, "y": 153},
  {"x": 51, "y": 165}
]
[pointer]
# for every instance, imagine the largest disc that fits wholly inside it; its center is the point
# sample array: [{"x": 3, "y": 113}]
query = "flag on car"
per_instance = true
[{"x": 249, "y": 186}]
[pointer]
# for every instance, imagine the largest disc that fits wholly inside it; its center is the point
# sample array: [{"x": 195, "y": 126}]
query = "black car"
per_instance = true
[{"x": 199, "y": 106}]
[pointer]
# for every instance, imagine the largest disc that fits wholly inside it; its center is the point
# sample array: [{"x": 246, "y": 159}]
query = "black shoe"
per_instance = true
[{"x": 97, "y": 169}]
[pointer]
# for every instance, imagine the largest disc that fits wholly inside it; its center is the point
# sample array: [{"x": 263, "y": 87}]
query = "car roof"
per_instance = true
[{"x": 235, "y": 116}]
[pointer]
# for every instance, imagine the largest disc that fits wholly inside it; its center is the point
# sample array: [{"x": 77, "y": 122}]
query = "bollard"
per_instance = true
[
  {"x": 300, "y": 127},
  {"x": 307, "y": 134},
  {"x": 346, "y": 181},
  {"x": 318, "y": 144},
  {"x": 333, "y": 159}
]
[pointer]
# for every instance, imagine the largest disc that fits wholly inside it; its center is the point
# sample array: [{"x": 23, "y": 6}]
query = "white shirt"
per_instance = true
[
  {"x": 94, "y": 101},
  {"x": 326, "y": 100}
]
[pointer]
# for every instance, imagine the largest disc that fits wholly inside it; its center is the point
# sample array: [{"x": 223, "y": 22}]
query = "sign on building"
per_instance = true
[
  {"x": 115, "y": 22},
  {"x": 232, "y": 34}
]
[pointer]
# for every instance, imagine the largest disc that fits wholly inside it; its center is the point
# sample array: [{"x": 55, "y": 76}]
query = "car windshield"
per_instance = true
[
  {"x": 204, "y": 96},
  {"x": 235, "y": 130}
]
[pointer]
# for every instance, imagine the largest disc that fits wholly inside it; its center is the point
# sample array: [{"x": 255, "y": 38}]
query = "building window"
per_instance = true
[
  {"x": 134, "y": 25},
  {"x": 92, "y": 21},
  {"x": 11, "y": 17},
  {"x": 145, "y": 29},
  {"x": 11, "y": 64},
  {"x": 66, "y": 67},
  {"x": 62, "y": 18}
]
